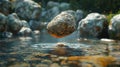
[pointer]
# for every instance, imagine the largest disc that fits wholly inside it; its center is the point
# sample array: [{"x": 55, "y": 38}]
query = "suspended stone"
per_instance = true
[{"x": 62, "y": 25}]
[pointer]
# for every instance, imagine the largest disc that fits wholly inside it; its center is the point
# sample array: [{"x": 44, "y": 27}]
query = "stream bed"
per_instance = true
[{"x": 40, "y": 51}]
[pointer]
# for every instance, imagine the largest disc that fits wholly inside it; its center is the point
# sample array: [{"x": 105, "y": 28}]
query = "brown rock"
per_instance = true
[{"x": 62, "y": 25}]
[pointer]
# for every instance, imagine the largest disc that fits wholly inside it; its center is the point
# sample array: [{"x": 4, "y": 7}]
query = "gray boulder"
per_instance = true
[
  {"x": 37, "y": 25},
  {"x": 93, "y": 26},
  {"x": 13, "y": 23},
  {"x": 27, "y": 9},
  {"x": 114, "y": 27},
  {"x": 50, "y": 13},
  {"x": 64, "y": 6},
  {"x": 53, "y": 9},
  {"x": 52, "y": 4},
  {"x": 2, "y": 22},
  {"x": 25, "y": 31},
  {"x": 62, "y": 25},
  {"x": 5, "y": 7}
]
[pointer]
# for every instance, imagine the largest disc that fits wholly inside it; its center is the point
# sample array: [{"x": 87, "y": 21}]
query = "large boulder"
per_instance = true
[
  {"x": 2, "y": 22},
  {"x": 114, "y": 27},
  {"x": 27, "y": 9},
  {"x": 93, "y": 26},
  {"x": 13, "y": 23},
  {"x": 62, "y": 25}
]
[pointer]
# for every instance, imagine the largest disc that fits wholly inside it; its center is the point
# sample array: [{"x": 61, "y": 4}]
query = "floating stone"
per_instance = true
[{"x": 62, "y": 25}]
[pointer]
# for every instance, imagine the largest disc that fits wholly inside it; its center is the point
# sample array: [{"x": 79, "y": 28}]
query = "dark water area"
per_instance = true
[{"x": 17, "y": 51}]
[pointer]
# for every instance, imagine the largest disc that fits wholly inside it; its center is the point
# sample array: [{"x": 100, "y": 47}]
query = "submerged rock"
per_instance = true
[
  {"x": 93, "y": 26},
  {"x": 62, "y": 25},
  {"x": 2, "y": 22},
  {"x": 27, "y": 9},
  {"x": 114, "y": 27},
  {"x": 63, "y": 50}
]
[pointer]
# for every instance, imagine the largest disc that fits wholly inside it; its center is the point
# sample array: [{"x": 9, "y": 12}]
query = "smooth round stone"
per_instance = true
[{"x": 62, "y": 25}]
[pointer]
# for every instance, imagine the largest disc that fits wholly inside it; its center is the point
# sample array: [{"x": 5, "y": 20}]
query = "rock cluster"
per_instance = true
[
  {"x": 54, "y": 8},
  {"x": 15, "y": 16}
]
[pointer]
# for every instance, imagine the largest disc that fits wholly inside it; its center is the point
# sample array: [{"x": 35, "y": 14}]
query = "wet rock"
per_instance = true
[
  {"x": 25, "y": 23},
  {"x": 37, "y": 25},
  {"x": 6, "y": 34},
  {"x": 93, "y": 26},
  {"x": 79, "y": 15},
  {"x": 42, "y": 65},
  {"x": 25, "y": 31},
  {"x": 94, "y": 61},
  {"x": 64, "y": 6},
  {"x": 51, "y": 4},
  {"x": 114, "y": 27},
  {"x": 53, "y": 9},
  {"x": 51, "y": 13},
  {"x": 2, "y": 22},
  {"x": 62, "y": 25},
  {"x": 27, "y": 9},
  {"x": 55, "y": 65},
  {"x": 5, "y": 7},
  {"x": 13, "y": 23}
]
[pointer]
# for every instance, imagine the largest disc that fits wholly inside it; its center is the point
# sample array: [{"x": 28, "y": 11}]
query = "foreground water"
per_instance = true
[{"x": 34, "y": 51}]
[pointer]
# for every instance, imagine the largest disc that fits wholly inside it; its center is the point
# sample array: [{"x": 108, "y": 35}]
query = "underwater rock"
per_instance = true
[
  {"x": 62, "y": 25},
  {"x": 13, "y": 23},
  {"x": 2, "y": 22},
  {"x": 114, "y": 27},
  {"x": 63, "y": 50},
  {"x": 5, "y": 7},
  {"x": 27, "y": 9},
  {"x": 93, "y": 61},
  {"x": 93, "y": 26}
]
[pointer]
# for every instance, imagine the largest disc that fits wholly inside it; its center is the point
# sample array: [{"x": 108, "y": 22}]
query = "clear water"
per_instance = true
[{"x": 16, "y": 49}]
